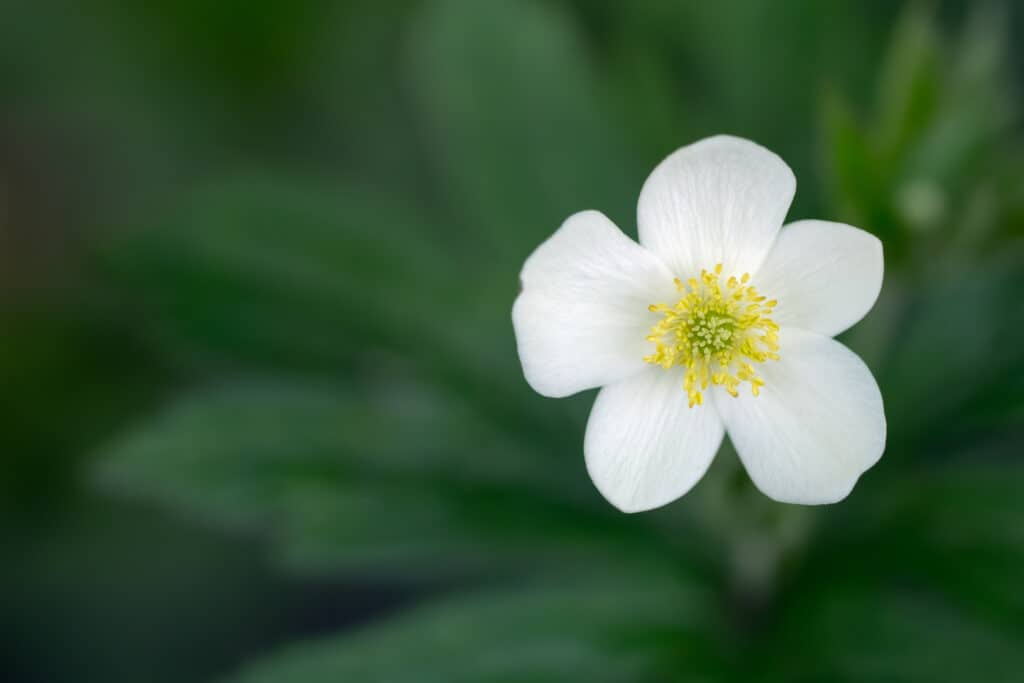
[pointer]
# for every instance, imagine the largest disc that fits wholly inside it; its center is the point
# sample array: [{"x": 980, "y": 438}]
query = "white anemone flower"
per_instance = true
[{"x": 717, "y": 321}]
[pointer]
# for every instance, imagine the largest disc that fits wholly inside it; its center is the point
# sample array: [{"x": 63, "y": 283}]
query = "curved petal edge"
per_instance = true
[
  {"x": 719, "y": 200},
  {"x": 817, "y": 426},
  {"x": 644, "y": 446},
  {"x": 582, "y": 318},
  {"x": 826, "y": 276}
]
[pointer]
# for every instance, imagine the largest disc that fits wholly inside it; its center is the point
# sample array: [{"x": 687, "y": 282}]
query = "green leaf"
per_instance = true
[
  {"x": 56, "y": 365},
  {"x": 951, "y": 532},
  {"x": 910, "y": 82},
  {"x": 974, "y": 116},
  {"x": 860, "y": 633},
  {"x": 961, "y": 338},
  {"x": 965, "y": 528},
  {"x": 972, "y": 511},
  {"x": 856, "y": 184},
  {"x": 518, "y": 133},
  {"x": 637, "y": 627},
  {"x": 919, "y": 581},
  {"x": 939, "y": 128},
  {"x": 278, "y": 268},
  {"x": 380, "y": 480},
  {"x": 305, "y": 276}
]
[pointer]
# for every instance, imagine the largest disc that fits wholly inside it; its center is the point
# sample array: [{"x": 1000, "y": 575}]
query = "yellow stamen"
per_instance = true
[{"x": 716, "y": 333}]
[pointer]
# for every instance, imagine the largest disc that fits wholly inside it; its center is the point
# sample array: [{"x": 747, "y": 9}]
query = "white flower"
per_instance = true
[{"x": 717, "y": 321}]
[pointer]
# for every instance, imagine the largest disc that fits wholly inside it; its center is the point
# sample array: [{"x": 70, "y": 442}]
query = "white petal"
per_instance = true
[
  {"x": 825, "y": 276},
  {"x": 720, "y": 200},
  {"x": 581, "y": 320},
  {"x": 644, "y": 446},
  {"x": 817, "y": 425}
]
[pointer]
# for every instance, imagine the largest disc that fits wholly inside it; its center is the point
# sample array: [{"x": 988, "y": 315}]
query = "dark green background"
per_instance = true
[{"x": 262, "y": 417}]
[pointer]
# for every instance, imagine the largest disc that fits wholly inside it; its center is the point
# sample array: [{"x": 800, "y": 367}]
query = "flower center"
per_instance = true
[{"x": 717, "y": 332}]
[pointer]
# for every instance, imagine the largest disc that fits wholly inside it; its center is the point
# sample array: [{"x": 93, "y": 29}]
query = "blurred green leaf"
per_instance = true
[
  {"x": 951, "y": 533},
  {"x": 107, "y": 587},
  {"x": 56, "y": 365},
  {"x": 518, "y": 132},
  {"x": 970, "y": 511},
  {"x": 909, "y": 82},
  {"x": 916, "y": 578},
  {"x": 682, "y": 71},
  {"x": 861, "y": 633},
  {"x": 934, "y": 142},
  {"x": 959, "y": 340},
  {"x": 639, "y": 627},
  {"x": 971, "y": 122},
  {"x": 310, "y": 275},
  {"x": 856, "y": 184},
  {"x": 376, "y": 481},
  {"x": 289, "y": 271}
]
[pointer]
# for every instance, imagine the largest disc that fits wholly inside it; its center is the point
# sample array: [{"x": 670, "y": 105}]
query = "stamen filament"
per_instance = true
[{"x": 716, "y": 333}]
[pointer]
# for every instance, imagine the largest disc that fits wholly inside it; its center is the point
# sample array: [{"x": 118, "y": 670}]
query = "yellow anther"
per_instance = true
[{"x": 716, "y": 333}]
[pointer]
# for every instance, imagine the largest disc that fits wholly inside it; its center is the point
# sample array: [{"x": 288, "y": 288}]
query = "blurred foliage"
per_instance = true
[{"x": 260, "y": 385}]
